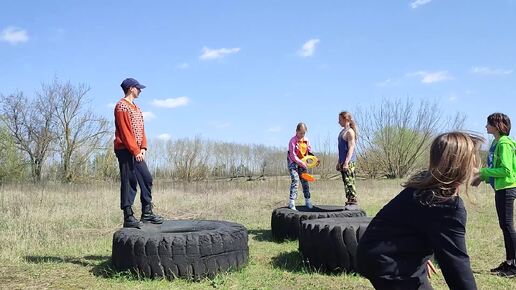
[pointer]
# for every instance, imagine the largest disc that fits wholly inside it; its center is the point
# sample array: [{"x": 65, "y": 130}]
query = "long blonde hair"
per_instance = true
[
  {"x": 347, "y": 117},
  {"x": 453, "y": 156}
]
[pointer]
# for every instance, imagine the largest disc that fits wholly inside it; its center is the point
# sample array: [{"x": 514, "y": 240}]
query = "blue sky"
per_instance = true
[{"x": 249, "y": 71}]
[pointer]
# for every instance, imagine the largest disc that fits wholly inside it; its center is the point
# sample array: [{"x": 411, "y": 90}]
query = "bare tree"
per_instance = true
[
  {"x": 395, "y": 135},
  {"x": 189, "y": 158},
  {"x": 79, "y": 131},
  {"x": 104, "y": 164},
  {"x": 31, "y": 126},
  {"x": 11, "y": 160}
]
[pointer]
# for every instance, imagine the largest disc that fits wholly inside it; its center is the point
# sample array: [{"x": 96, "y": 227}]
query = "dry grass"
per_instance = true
[{"x": 57, "y": 236}]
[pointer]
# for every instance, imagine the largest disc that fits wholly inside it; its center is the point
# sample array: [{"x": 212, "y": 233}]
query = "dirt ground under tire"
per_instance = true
[{"x": 181, "y": 248}]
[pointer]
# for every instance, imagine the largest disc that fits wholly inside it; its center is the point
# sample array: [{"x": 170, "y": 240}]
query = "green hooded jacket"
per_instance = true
[{"x": 504, "y": 164}]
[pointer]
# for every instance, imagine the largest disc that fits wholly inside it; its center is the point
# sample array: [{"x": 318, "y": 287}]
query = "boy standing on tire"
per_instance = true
[{"x": 130, "y": 148}]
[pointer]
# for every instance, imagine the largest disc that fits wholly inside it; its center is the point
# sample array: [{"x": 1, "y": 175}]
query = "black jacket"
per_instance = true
[{"x": 406, "y": 233}]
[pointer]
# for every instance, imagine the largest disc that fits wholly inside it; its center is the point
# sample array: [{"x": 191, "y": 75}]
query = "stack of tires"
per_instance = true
[
  {"x": 328, "y": 235},
  {"x": 330, "y": 244},
  {"x": 286, "y": 223},
  {"x": 181, "y": 248}
]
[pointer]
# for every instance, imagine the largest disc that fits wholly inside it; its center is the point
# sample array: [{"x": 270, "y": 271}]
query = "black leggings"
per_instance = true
[{"x": 504, "y": 200}]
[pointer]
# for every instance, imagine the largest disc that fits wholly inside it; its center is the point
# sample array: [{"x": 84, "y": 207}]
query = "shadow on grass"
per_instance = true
[
  {"x": 290, "y": 261},
  {"x": 86, "y": 261},
  {"x": 261, "y": 235},
  {"x": 99, "y": 266}
]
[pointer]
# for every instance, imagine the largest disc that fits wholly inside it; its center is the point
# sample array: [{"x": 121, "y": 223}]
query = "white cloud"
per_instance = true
[
  {"x": 183, "y": 65},
  {"x": 417, "y": 3},
  {"x": 111, "y": 105},
  {"x": 432, "y": 77},
  {"x": 164, "y": 137},
  {"x": 149, "y": 116},
  {"x": 453, "y": 97},
  {"x": 171, "y": 103},
  {"x": 482, "y": 70},
  {"x": 14, "y": 35},
  {"x": 308, "y": 48},
  {"x": 221, "y": 124},
  {"x": 217, "y": 53},
  {"x": 386, "y": 83},
  {"x": 275, "y": 129}
]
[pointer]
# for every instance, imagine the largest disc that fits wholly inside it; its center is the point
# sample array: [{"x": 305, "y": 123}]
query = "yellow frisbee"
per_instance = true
[{"x": 310, "y": 160}]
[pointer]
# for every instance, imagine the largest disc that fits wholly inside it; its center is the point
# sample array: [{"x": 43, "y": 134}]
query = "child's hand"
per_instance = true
[
  {"x": 430, "y": 269},
  {"x": 476, "y": 180},
  {"x": 476, "y": 177}
]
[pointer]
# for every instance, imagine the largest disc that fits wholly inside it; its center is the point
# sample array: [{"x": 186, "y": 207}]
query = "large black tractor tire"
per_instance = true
[
  {"x": 285, "y": 222},
  {"x": 330, "y": 244},
  {"x": 181, "y": 248}
]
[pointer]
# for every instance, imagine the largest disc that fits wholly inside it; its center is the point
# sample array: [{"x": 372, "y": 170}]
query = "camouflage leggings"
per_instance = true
[{"x": 348, "y": 176}]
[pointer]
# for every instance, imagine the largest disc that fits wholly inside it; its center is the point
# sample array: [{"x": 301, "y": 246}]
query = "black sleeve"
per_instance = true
[{"x": 449, "y": 244}]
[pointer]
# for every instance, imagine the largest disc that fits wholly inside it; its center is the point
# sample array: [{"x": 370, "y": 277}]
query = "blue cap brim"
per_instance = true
[{"x": 140, "y": 86}]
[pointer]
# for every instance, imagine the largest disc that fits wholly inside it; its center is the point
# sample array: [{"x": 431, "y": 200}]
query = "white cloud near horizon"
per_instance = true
[
  {"x": 164, "y": 137},
  {"x": 432, "y": 77},
  {"x": 482, "y": 70},
  {"x": 220, "y": 125},
  {"x": 208, "y": 53},
  {"x": 452, "y": 97},
  {"x": 183, "y": 65},
  {"x": 171, "y": 102},
  {"x": 275, "y": 129},
  {"x": 385, "y": 83},
  {"x": 14, "y": 35},
  {"x": 418, "y": 3},
  {"x": 149, "y": 116},
  {"x": 308, "y": 48}
]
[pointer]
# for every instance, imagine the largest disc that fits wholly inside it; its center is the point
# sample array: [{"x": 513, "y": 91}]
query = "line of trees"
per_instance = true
[{"x": 56, "y": 135}]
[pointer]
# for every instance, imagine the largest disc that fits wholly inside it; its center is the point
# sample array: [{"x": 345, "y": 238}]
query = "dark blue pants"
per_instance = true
[
  {"x": 504, "y": 200},
  {"x": 133, "y": 173}
]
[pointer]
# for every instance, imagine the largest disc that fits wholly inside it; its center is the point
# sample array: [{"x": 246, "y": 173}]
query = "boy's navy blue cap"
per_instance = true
[{"x": 130, "y": 82}]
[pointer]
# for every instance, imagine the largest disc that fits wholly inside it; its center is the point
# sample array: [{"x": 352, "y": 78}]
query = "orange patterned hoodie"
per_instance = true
[{"x": 129, "y": 129}]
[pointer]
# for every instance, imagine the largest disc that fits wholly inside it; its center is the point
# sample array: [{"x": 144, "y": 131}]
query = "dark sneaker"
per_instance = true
[
  {"x": 509, "y": 271},
  {"x": 129, "y": 220},
  {"x": 149, "y": 217},
  {"x": 501, "y": 267}
]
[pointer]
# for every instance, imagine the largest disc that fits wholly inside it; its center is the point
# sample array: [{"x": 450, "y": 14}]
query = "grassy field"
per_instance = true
[{"x": 57, "y": 236}]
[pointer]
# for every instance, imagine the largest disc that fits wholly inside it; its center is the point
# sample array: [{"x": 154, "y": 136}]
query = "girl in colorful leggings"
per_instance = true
[{"x": 298, "y": 148}]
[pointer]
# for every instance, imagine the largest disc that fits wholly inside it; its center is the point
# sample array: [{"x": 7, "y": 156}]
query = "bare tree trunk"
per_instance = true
[
  {"x": 80, "y": 132},
  {"x": 31, "y": 126}
]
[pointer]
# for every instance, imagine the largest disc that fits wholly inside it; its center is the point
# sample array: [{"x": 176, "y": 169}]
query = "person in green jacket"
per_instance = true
[{"x": 501, "y": 174}]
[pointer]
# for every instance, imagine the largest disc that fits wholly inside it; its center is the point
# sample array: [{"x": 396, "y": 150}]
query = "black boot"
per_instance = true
[
  {"x": 149, "y": 217},
  {"x": 129, "y": 220}
]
